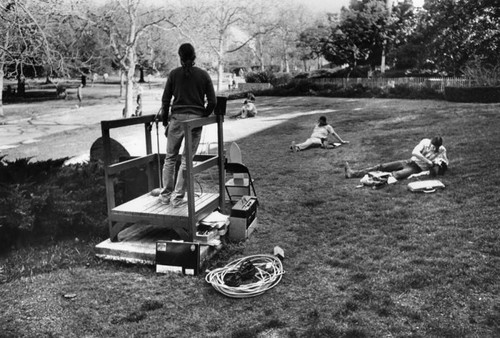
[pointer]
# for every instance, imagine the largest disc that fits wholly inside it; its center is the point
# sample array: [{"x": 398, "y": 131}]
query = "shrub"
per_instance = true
[
  {"x": 483, "y": 73},
  {"x": 46, "y": 199},
  {"x": 473, "y": 94},
  {"x": 280, "y": 79},
  {"x": 259, "y": 77},
  {"x": 400, "y": 91}
]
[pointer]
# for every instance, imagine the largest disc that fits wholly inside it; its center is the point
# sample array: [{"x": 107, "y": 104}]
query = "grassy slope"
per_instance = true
[{"x": 359, "y": 262}]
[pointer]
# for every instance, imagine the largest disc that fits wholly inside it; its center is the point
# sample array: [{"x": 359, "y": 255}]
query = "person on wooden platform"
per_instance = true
[{"x": 183, "y": 99}]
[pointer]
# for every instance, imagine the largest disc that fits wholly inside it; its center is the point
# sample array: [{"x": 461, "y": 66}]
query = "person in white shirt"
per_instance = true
[
  {"x": 319, "y": 136},
  {"x": 248, "y": 110},
  {"x": 429, "y": 154}
]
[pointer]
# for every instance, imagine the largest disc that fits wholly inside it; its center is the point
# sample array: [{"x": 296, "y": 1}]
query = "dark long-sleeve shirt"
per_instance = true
[{"x": 189, "y": 90}]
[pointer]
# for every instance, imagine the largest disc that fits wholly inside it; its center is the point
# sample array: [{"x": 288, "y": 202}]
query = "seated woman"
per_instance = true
[
  {"x": 248, "y": 110},
  {"x": 319, "y": 136},
  {"x": 429, "y": 154}
]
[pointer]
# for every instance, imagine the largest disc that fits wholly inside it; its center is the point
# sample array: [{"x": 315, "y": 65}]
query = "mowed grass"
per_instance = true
[{"x": 359, "y": 262}]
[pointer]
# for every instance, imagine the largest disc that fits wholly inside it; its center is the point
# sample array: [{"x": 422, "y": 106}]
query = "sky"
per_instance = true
[{"x": 333, "y": 6}]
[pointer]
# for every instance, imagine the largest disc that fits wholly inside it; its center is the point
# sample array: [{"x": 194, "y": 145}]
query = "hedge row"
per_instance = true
[
  {"x": 308, "y": 88},
  {"x": 472, "y": 94}
]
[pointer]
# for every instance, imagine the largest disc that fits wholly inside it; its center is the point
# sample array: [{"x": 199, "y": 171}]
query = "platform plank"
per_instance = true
[{"x": 148, "y": 204}]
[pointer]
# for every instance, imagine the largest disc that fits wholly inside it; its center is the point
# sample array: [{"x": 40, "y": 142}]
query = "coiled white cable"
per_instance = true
[{"x": 269, "y": 271}]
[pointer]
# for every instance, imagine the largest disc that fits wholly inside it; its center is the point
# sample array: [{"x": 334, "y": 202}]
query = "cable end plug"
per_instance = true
[{"x": 279, "y": 252}]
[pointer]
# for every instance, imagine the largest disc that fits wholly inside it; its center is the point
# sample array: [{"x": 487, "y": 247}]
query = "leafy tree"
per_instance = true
[
  {"x": 359, "y": 37},
  {"x": 311, "y": 42},
  {"x": 458, "y": 31}
]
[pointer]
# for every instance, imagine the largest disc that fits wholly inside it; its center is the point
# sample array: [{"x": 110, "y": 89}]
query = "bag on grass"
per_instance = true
[
  {"x": 426, "y": 186},
  {"x": 375, "y": 179}
]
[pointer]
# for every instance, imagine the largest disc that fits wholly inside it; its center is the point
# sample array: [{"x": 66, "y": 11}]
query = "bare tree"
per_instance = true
[
  {"x": 125, "y": 22},
  {"x": 23, "y": 42},
  {"x": 221, "y": 28}
]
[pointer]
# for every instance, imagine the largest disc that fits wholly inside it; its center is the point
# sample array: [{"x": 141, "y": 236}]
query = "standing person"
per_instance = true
[
  {"x": 79, "y": 94},
  {"x": 428, "y": 154},
  {"x": 318, "y": 137},
  {"x": 138, "y": 109},
  {"x": 94, "y": 78},
  {"x": 189, "y": 86}
]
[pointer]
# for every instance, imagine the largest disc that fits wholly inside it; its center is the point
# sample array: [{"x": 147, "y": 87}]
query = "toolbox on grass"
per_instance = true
[
  {"x": 178, "y": 256},
  {"x": 243, "y": 218}
]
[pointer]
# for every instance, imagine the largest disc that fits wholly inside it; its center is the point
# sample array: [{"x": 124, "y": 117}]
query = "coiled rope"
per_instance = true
[{"x": 233, "y": 280}]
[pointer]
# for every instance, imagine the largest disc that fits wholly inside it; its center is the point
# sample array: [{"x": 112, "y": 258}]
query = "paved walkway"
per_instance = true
[{"x": 70, "y": 131}]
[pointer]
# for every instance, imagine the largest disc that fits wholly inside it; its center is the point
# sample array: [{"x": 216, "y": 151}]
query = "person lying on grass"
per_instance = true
[
  {"x": 319, "y": 136},
  {"x": 429, "y": 154}
]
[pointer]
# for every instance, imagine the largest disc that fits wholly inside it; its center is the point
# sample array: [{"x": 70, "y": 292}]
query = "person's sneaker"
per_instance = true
[
  {"x": 292, "y": 146},
  {"x": 177, "y": 202},
  {"x": 348, "y": 171},
  {"x": 164, "y": 198}
]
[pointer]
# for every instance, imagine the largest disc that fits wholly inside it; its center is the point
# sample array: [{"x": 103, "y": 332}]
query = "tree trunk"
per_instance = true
[
  {"x": 220, "y": 74},
  {"x": 129, "y": 94},
  {"x": 260, "y": 53},
  {"x": 388, "y": 5},
  {"x": 141, "y": 75},
  {"x": 220, "y": 64},
  {"x": 122, "y": 82},
  {"x": 1, "y": 91},
  {"x": 129, "y": 84}
]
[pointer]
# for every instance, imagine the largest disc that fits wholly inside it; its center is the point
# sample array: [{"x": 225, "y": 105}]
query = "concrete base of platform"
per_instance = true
[{"x": 137, "y": 245}]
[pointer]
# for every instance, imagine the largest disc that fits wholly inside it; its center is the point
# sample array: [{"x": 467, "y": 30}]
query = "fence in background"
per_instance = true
[{"x": 437, "y": 83}]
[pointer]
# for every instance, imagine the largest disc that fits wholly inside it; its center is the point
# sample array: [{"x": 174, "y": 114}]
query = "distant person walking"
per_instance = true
[
  {"x": 94, "y": 78},
  {"x": 189, "y": 86},
  {"x": 79, "y": 94}
]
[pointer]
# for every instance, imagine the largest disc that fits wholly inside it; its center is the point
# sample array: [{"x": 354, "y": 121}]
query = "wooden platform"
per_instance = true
[
  {"x": 137, "y": 245},
  {"x": 147, "y": 209}
]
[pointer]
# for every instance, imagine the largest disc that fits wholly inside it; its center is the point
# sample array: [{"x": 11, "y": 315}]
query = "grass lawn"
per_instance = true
[{"x": 359, "y": 262}]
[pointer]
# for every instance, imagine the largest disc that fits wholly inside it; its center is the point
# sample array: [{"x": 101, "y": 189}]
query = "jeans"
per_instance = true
[
  {"x": 400, "y": 169},
  {"x": 174, "y": 141},
  {"x": 309, "y": 142}
]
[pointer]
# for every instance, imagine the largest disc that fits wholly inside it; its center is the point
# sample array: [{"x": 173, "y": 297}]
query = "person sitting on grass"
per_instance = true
[
  {"x": 319, "y": 136},
  {"x": 248, "y": 110},
  {"x": 429, "y": 154}
]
